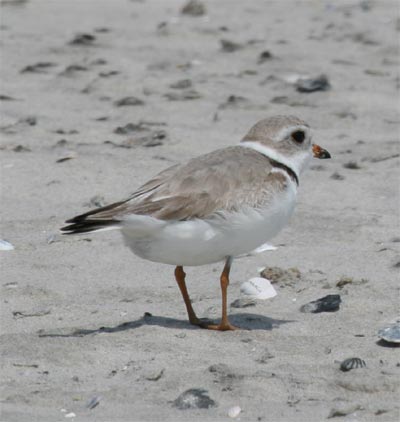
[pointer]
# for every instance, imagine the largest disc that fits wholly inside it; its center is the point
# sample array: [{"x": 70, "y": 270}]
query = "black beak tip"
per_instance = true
[{"x": 325, "y": 154}]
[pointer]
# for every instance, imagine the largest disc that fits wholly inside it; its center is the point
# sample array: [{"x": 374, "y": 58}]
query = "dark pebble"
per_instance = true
[
  {"x": 329, "y": 303},
  {"x": 264, "y": 56},
  {"x": 307, "y": 85},
  {"x": 83, "y": 40},
  {"x": 129, "y": 101},
  {"x": 352, "y": 165},
  {"x": 108, "y": 74},
  {"x": 129, "y": 128},
  {"x": 230, "y": 46},
  {"x": 194, "y": 398},
  {"x": 182, "y": 84},
  {"x": 193, "y": 8},
  {"x": 243, "y": 303}
]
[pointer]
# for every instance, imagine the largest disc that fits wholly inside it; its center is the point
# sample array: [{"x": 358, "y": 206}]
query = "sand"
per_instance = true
[{"x": 76, "y": 341}]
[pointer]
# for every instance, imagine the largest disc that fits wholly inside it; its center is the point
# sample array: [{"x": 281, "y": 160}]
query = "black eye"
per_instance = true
[{"x": 298, "y": 136}]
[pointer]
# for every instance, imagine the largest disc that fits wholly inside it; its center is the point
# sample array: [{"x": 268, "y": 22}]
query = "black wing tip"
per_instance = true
[
  {"x": 87, "y": 222},
  {"x": 85, "y": 226}
]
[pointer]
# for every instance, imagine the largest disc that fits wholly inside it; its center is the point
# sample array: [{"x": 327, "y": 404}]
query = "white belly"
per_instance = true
[{"x": 199, "y": 242}]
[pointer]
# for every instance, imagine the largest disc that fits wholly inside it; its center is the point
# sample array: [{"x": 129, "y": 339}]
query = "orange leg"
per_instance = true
[
  {"x": 180, "y": 279},
  {"x": 224, "y": 325}
]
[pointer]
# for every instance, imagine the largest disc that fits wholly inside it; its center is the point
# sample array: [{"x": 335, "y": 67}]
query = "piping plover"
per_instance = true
[{"x": 216, "y": 206}]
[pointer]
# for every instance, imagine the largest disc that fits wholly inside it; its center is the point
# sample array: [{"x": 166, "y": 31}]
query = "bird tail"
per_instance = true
[{"x": 100, "y": 219}]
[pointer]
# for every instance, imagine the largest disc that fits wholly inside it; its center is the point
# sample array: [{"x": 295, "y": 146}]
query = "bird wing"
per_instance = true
[{"x": 223, "y": 180}]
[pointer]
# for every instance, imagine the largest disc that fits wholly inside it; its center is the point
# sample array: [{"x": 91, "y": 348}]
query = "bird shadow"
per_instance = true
[{"x": 245, "y": 321}]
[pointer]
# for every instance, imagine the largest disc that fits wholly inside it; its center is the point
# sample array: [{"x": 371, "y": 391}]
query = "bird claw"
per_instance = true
[{"x": 209, "y": 325}]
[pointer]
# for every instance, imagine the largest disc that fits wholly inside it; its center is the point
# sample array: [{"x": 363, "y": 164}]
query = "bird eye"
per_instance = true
[{"x": 298, "y": 136}]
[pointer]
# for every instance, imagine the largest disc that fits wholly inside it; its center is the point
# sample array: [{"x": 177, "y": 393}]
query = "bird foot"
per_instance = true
[
  {"x": 222, "y": 327},
  {"x": 209, "y": 325}
]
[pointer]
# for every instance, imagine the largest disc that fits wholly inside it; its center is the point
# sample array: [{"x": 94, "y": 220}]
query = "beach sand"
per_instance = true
[{"x": 90, "y": 332}]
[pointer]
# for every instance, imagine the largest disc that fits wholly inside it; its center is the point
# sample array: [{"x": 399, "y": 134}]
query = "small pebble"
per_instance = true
[
  {"x": 234, "y": 411},
  {"x": 230, "y": 46},
  {"x": 307, "y": 85},
  {"x": 193, "y": 8},
  {"x": 352, "y": 165},
  {"x": 129, "y": 101},
  {"x": 182, "y": 84},
  {"x": 129, "y": 128},
  {"x": 264, "y": 56},
  {"x": 194, "y": 398},
  {"x": 83, "y": 39},
  {"x": 243, "y": 303},
  {"x": 155, "y": 375},
  {"x": 352, "y": 363},
  {"x": 329, "y": 303},
  {"x": 70, "y": 415},
  {"x": 66, "y": 158}
]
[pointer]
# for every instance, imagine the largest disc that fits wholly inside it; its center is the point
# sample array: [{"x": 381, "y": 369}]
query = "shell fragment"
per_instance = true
[
  {"x": 5, "y": 246},
  {"x": 258, "y": 288}
]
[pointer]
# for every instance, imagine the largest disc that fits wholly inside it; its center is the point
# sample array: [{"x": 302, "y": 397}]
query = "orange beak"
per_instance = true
[{"x": 320, "y": 152}]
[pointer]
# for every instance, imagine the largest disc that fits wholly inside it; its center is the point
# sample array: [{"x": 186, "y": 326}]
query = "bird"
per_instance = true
[{"x": 215, "y": 207}]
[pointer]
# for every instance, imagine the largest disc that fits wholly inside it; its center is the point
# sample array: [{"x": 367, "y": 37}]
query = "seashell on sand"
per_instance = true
[
  {"x": 234, "y": 411},
  {"x": 258, "y": 288},
  {"x": 352, "y": 363},
  {"x": 5, "y": 246},
  {"x": 390, "y": 333}
]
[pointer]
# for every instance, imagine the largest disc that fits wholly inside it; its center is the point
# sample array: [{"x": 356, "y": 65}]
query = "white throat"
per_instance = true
[{"x": 296, "y": 163}]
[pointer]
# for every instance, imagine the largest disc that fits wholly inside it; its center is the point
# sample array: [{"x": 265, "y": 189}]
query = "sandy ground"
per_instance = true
[{"x": 73, "y": 328}]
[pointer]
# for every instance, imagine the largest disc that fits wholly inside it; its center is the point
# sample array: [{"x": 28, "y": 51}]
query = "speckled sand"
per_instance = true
[{"x": 57, "y": 294}]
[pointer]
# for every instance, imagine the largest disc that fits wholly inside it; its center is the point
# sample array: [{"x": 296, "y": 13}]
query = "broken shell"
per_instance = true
[
  {"x": 234, "y": 411},
  {"x": 5, "y": 246},
  {"x": 258, "y": 288},
  {"x": 390, "y": 333},
  {"x": 352, "y": 363}
]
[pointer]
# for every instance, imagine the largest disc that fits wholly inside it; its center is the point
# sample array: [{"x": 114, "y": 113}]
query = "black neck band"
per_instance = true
[{"x": 288, "y": 170}]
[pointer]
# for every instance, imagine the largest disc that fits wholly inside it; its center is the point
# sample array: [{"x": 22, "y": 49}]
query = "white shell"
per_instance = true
[
  {"x": 258, "y": 288},
  {"x": 390, "y": 333},
  {"x": 70, "y": 415},
  {"x": 234, "y": 411},
  {"x": 5, "y": 246}
]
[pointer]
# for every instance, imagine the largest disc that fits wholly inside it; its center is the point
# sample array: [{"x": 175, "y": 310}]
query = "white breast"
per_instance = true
[{"x": 199, "y": 242}]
